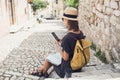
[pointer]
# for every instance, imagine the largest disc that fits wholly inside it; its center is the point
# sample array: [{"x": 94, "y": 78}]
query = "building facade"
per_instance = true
[
  {"x": 56, "y": 7},
  {"x": 4, "y": 18},
  {"x": 13, "y": 12}
]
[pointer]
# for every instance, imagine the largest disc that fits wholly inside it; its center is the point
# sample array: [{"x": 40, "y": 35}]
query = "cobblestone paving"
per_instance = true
[
  {"x": 28, "y": 56},
  {"x": 31, "y": 54}
]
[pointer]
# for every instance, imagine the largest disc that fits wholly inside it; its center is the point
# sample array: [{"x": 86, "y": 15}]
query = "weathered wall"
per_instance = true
[
  {"x": 100, "y": 21},
  {"x": 4, "y": 19},
  {"x": 22, "y": 13}
]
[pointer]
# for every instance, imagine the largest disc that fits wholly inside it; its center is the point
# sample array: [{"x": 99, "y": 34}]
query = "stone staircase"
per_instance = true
[
  {"x": 31, "y": 53},
  {"x": 98, "y": 72}
]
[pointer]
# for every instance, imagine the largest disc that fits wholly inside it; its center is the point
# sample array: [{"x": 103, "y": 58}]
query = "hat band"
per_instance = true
[{"x": 70, "y": 16}]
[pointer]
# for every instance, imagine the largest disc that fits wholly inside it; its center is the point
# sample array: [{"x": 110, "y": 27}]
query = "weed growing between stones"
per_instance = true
[
  {"x": 98, "y": 53},
  {"x": 93, "y": 46}
]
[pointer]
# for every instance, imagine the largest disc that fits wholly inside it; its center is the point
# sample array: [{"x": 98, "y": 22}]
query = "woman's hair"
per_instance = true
[{"x": 73, "y": 25}]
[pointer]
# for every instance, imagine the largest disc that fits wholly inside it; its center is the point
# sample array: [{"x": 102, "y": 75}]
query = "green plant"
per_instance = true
[
  {"x": 72, "y": 3},
  {"x": 101, "y": 56},
  {"x": 93, "y": 46},
  {"x": 98, "y": 53},
  {"x": 38, "y": 4}
]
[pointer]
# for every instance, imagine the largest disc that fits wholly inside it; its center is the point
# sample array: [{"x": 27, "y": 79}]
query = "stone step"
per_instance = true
[
  {"x": 16, "y": 76},
  {"x": 97, "y": 70},
  {"x": 90, "y": 77},
  {"x": 113, "y": 79},
  {"x": 93, "y": 71},
  {"x": 83, "y": 79}
]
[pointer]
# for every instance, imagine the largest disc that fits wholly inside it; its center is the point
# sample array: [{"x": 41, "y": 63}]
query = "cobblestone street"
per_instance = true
[{"x": 30, "y": 54}]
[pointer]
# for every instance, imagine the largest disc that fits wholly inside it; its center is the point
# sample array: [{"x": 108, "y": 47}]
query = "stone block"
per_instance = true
[
  {"x": 99, "y": 7},
  {"x": 118, "y": 26},
  {"x": 113, "y": 20},
  {"x": 104, "y": 9},
  {"x": 88, "y": 1},
  {"x": 107, "y": 41},
  {"x": 94, "y": 10},
  {"x": 1, "y": 78},
  {"x": 30, "y": 76},
  {"x": 13, "y": 73},
  {"x": 13, "y": 78},
  {"x": 92, "y": 4},
  {"x": 96, "y": 77},
  {"x": 96, "y": 2},
  {"x": 107, "y": 31},
  {"x": 107, "y": 3},
  {"x": 113, "y": 79},
  {"x": 57, "y": 79},
  {"x": 102, "y": 25},
  {"x": 21, "y": 78},
  {"x": 99, "y": 14},
  {"x": 116, "y": 0},
  {"x": 108, "y": 57},
  {"x": 1, "y": 74},
  {"x": 106, "y": 67},
  {"x": 101, "y": 2},
  {"x": 7, "y": 75},
  {"x": 92, "y": 20},
  {"x": 119, "y": 5},
  {"x": 116, "y": 12},
  {"x": 116, "y": 65},
  {"x": 115, "y": 54},
  {"x": 114, "y": 5},
  {"x": 6, "y": 78},
  {"x": 108, "y": 11},
  {"x": 107, "y": 19},
  {"x": 116, "y": 75},
  {"x": 50, "y": 79}
]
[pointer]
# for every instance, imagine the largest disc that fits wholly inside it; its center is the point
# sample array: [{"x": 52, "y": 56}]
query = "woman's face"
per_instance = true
[{"x": 65, "y": 21}]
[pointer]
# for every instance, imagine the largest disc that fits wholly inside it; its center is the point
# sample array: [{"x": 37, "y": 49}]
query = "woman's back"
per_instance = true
[{"x": 69, "y": 41}]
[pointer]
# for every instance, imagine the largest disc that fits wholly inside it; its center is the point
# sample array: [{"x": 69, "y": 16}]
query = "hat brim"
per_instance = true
[{"x": 73, "y": 19}]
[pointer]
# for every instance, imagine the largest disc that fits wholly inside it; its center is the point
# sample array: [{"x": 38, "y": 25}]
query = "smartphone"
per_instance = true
[{"x": 55, "y": 36}]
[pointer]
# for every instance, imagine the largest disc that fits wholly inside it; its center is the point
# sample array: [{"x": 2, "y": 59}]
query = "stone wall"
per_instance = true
[{"x": 100, "y": 21}]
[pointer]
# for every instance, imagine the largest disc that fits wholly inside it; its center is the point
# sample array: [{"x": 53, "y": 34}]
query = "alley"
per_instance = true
[{"x": 33, "y": 44}]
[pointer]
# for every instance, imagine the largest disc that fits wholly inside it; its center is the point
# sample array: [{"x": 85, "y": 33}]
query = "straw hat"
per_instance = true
[{"x": 70, "y": 13}]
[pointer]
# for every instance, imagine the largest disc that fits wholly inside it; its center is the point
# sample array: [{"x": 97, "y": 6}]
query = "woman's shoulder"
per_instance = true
[
  {"x": 66, "y": 37},
  {"x": 78, "y": 35},
  {"x": 71, "y": 36}
]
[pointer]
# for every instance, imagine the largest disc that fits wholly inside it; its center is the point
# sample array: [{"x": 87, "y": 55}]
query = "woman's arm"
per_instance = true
[{"x": 64, "y": 54}]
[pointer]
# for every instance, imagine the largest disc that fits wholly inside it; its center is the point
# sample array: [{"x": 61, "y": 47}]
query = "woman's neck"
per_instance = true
[{"x": 72, "y": 31}]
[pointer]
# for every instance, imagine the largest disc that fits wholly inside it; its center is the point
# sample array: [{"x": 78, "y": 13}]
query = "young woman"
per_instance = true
[{"x": 65, "y": 46}]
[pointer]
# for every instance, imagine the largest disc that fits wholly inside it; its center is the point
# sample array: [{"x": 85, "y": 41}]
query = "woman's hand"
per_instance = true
[
  {"x": 64, "y": 54},
  {"x": 58, "y": 44}
]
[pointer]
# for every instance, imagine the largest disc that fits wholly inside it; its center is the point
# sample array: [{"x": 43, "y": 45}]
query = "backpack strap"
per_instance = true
[{"x": 83, "y": 52}]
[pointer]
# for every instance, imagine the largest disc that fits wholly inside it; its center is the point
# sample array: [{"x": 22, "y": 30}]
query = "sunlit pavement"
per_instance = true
[{"x": 25, "y": 51}]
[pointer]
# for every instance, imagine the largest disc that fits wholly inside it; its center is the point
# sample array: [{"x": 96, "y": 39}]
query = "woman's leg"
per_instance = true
[{"x": 44, "y": 68}]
